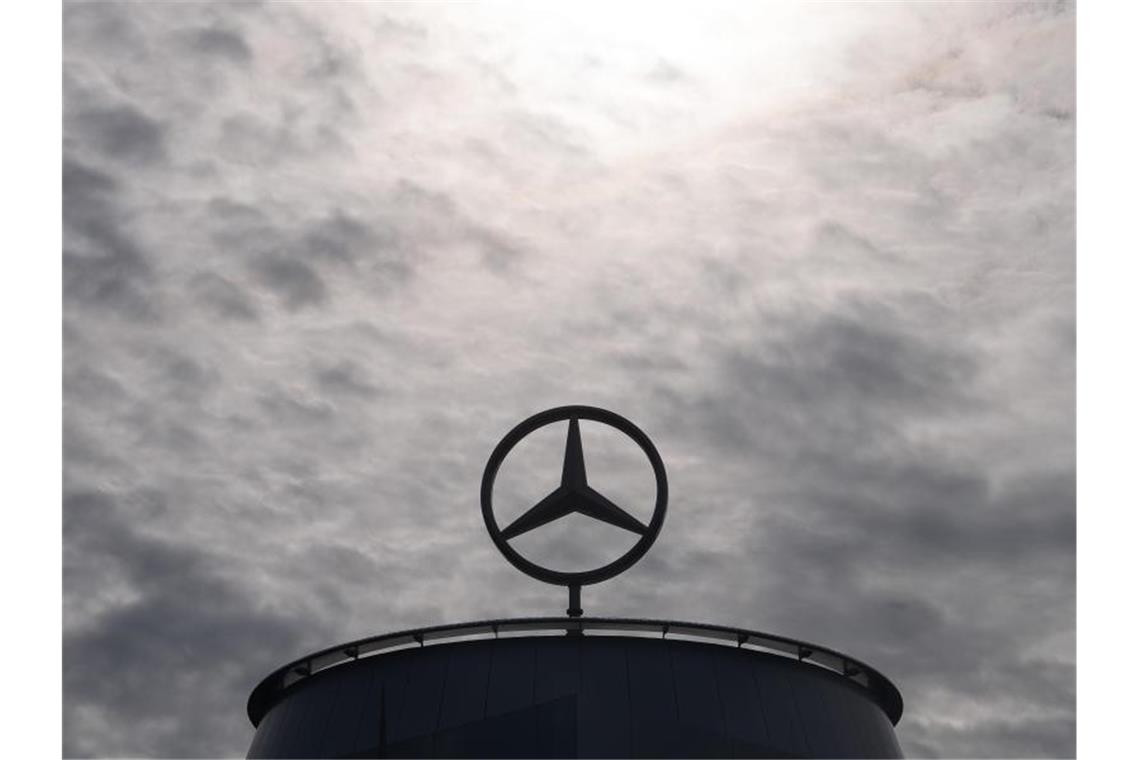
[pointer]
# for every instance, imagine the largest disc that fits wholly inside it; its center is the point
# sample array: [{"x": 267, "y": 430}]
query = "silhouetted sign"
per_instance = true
[{"x": 574, "y": 495}]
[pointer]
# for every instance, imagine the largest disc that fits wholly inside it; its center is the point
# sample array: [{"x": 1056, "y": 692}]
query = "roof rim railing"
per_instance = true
[{"x": 272, "y": 687}]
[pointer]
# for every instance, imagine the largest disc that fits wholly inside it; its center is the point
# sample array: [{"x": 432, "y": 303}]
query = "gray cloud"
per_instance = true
[
  {"x": 346, "y": 378},
  {"x": 294, "y": 281},
  {"x": 223, "y": 297},
  {"x": 103, "y": 266},
  {"x": 183, "y": 615},
  {"x": 122, "y": 132},
  {"x": 225, "y": 43},
  {"x": 341, "y": 238},
  {"x": 316, "y": 263}
]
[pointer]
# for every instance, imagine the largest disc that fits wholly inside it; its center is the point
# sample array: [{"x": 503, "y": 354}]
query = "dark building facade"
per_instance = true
[{"x": 560, "y": 687}]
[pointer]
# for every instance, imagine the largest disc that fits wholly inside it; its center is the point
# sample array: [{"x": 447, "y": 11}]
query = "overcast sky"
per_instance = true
[{"x": 319, "y": 258}]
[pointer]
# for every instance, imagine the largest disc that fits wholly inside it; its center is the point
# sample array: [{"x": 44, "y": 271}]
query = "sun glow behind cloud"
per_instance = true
[{"x": 636, "y": 78}]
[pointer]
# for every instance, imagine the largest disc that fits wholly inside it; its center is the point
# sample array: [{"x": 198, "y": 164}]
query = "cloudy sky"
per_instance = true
[{"x": 319, "y": 258}]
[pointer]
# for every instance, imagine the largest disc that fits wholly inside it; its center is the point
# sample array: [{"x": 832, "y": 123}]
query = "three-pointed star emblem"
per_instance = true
[{"x": 574, "y": 495}]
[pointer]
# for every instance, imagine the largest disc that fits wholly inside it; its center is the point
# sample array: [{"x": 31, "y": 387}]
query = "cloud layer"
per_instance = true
[{"x": 318, "y": 260}]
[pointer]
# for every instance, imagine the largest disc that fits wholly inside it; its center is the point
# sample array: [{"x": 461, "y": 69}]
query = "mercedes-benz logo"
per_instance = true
[{"x": 574, "y": 494}]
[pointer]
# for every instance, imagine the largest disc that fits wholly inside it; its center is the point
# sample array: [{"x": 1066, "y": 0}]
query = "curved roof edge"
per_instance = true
[{"x": 270, "y": 689}]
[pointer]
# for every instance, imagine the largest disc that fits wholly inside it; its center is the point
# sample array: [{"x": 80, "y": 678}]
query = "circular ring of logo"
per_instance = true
[{"x": 528, "y": 426}]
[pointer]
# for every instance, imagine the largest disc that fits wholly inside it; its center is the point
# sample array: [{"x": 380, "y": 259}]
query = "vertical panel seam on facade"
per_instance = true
[
  {"x": 493, "y": 650},
  {"x": 791, "y": 690},
  {"x": 673, "y": 680},
  {"x": 628, "y": 696},
  {"x": 719, "y": 699},
  {"x": 334, "y": 703},
  {"x": 760, "y": 706},
  {"x": 443, "y": 691}
]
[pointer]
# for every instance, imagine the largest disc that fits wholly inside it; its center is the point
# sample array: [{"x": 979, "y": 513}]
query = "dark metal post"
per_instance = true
[{"x": 575, "y": 608}]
